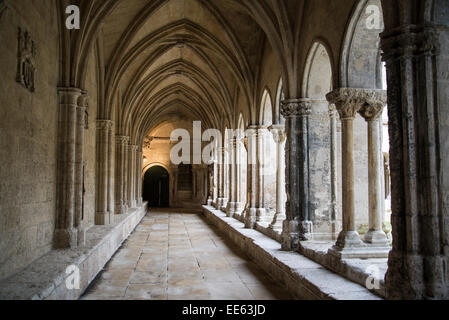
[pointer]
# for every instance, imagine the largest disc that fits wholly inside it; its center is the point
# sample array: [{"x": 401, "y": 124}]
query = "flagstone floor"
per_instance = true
[{"x": 179, "y": 256}]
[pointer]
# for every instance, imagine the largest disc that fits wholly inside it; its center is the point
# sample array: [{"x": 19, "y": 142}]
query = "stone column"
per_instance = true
[
  {"x": 139, "y": 178},
  {"x": 221, "y": 201},
  {"x": 234, "y": 205},
  {"x": 210, "y": 177},
  {"x": 121, "y": 205},
  {"x": 334, "y": 161},
  {"x": 252, "y": 180},
  {"x": 262, "y": 214},
  {"x": 68, "y": 187},
  {"x": 372, "y": 112},
  {"x": 279, "y": 137},
  {"x": 132, "y": 151},
  {"x": 417, "y": 58},
  {"x": 348, "y": 102},
  {"x": 297, "y": 226},
  {"x": 79, "y": 169},
  {"x": 102, "y": 215}
]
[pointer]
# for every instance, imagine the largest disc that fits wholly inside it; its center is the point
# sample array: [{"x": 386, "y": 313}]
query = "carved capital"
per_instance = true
[
  {"x": 279, "y": 134},
  {"x": 410, "y": 41},
  {"x": 252, "y": 131},
  {"x": 349, "y": 101},
  {"x": 373, "y": 108},
  {"x": 105, "y": 125},
  {"x": 296, "y": 108},
  {"x": 121, "y": 140},
  {"x": 69, "y": 96}
]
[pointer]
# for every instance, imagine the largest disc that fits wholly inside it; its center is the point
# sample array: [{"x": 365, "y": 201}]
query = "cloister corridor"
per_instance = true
[
  {"x": 306, "y": 142},
  {"x": 180, "y": 256}
]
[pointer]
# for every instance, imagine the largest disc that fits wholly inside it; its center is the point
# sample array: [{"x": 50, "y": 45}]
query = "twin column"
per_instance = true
[{"x": 369, "y": 103}]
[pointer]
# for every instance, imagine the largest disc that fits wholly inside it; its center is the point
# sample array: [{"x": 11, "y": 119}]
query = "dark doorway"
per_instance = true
[{"x": 156, "y": 187}]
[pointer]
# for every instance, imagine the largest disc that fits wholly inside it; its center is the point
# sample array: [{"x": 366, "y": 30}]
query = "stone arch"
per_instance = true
[
  {"x": 361, "y": 65},
  {"x": 318, "y": 74},
  {"x": 155, "y": 164},
  {"x": 266, "y": 109},
  {"x": 279, "y": 98}
]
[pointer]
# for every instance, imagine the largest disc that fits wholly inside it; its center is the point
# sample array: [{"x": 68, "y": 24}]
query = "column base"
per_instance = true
[
  {"x": 290, "y": 235},
  {"x": 220, "y": 203},
  {"x": 349, "y": 246},
  {"x": 293, "y": 232},
  {"x": 132, "y": 204},
  {"x": 234, "y": 208},
  {"x": 376, "y": 239},
  {"x": 121, "y": 208},
  {"x": 103, "y": 219},
  {"x": 251, "y": 218},
  {"x": 263, "y": 216},
  {"x": 81, "y": 237},
  {"x": 65, "y": 239},
  {"x": 364, "y": 252},
  {"x": 277, "y": 222}
]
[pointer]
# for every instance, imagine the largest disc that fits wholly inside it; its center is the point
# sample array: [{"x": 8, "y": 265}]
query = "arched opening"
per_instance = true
[
  {"x": 156, "y": 187},
  {"x": 267, "y": 158},
  {"x": 362, "y": 68}
]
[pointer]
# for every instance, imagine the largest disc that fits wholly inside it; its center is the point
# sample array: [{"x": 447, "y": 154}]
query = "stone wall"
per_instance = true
[{"x": 28, "y": 128}]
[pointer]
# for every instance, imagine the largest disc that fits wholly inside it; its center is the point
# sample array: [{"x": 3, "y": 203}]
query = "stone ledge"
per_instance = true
[
  {"x": 355, "y": 270},
  {"x": 303, "y": 278},
  {"x": 45, "y": 278}
]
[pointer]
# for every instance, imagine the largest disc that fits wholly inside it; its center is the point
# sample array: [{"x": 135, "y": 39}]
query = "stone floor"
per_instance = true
[{"x": 179, "y": 256}]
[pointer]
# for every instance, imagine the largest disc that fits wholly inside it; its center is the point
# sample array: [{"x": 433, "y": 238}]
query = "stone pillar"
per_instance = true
[
  {"x": 139, "y": 178},
  {"x": 211, "y": 187},
  {"x": 234, "y": 206},
  {"x": 79, "y": 169},
  {"x": 221, "y": 201},
  {"x": 121, "y": 205},
  {"x": 102, "y": 215},
  {"x": 297, "y": 226},
  {"x": 372, "y": 112},
  {"x": 262, "y": 212},
  {"x": 348, "y": 102},
  {"x": 279, "y": 137},
  {"x": 417, "y": 60},
  {"x": 68, "y": 228},
  {"x": 334, "y": 163},
  {"x": 132, "y": 151},
  {"x": 252, "y": 180}
]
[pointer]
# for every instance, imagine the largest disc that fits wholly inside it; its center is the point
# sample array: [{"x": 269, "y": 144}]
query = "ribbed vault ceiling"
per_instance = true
[
  {"x": 178, "y": 57},
  {"x": 194, "y": 58}
]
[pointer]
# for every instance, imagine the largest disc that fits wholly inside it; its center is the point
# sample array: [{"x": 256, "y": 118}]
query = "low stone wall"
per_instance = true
[
  {"x": 45, "y": 278},
  {"x": 360, "y": 271},
  {"x": 302, "y": 277}
]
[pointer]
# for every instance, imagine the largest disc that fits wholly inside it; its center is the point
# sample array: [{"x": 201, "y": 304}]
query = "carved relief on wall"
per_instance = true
[
  {"x": 147, "y": 142},
  {"x": 26, "y": 60}
]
